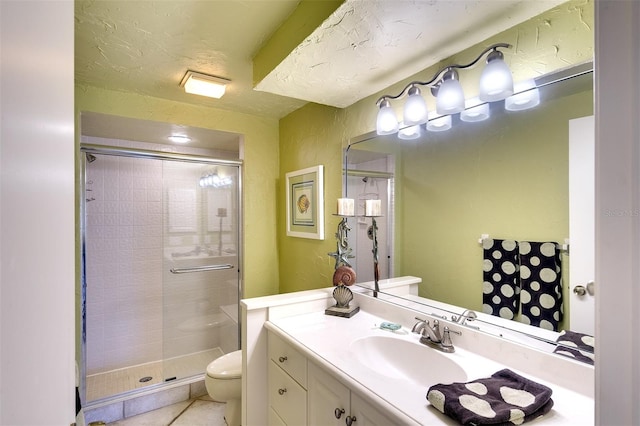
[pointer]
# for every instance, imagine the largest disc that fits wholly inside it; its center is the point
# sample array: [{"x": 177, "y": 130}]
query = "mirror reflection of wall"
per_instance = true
[{"x": 506, "y": 177}]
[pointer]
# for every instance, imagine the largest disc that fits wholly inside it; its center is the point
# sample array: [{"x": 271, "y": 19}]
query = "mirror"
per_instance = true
[{"x": 507, "y": 177}]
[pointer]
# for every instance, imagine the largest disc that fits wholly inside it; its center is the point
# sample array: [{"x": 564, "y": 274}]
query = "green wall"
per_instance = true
[
  {"x": 315, "y": 135},
  {"x": 506, "y": 177},
  {"x": 261, "y": 274},
  {"x": 309, "y": 137}
]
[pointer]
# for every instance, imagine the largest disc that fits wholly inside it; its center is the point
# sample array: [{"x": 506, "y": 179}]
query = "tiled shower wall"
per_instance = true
[{"x": 126, "y": 319}]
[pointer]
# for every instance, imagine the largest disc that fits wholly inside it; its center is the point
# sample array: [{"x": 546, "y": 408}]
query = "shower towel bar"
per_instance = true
[{"x": 200, "y": 268}]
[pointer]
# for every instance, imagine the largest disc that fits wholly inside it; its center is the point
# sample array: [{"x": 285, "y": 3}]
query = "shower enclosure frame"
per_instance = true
[{"x": 89, "y": 150}]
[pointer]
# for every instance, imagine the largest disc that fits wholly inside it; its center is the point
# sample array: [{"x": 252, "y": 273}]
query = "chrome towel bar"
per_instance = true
[{"x": 200, "y": 268}]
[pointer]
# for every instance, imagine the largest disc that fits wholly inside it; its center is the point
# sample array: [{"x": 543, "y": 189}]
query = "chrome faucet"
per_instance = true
[{"x": 430, "y": 335}]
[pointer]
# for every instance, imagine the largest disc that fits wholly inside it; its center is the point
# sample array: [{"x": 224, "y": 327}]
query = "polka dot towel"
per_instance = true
[
  {"x": 523, "y": 279},
  {"x": 505, "y": 398}
]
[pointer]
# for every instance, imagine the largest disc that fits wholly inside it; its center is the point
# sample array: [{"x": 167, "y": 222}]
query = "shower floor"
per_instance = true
[{"x": 115, "y": 382}]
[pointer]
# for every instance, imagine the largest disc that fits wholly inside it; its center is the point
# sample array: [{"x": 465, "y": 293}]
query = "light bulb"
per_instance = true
[
  {"x": 415, "y": 108},
  {"x": 496, "y": 81},
  {"x": 386, "y": 123},
  {"x": 450, "y": 99}
]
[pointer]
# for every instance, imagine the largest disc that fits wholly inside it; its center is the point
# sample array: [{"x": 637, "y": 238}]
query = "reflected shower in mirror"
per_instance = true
[{"x": 506, "y": 177}]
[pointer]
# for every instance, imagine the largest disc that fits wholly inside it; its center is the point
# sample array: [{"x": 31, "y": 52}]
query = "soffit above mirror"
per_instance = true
[{"x": 366, "y": 46}]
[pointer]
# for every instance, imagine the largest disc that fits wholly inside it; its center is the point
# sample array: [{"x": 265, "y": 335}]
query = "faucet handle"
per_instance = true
[
  {"x": 447, "y": 345},
  {"x": 419, "y": 326}
]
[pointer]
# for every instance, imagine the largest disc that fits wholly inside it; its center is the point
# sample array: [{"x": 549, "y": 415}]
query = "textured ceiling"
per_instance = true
[
  {"x": 368, "y": 45},
  {"x": 146, "y": 47}
]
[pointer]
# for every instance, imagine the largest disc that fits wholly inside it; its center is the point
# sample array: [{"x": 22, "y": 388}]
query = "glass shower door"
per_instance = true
[{"x": 201, "y": 282}]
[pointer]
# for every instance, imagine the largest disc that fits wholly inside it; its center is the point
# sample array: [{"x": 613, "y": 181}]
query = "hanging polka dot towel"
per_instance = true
[
  {"x": 540, "y": 277},
  {"x": 523, "y": 280},
  {"x": 505, "y": 398},
  {"x": 500, "y": 285}
]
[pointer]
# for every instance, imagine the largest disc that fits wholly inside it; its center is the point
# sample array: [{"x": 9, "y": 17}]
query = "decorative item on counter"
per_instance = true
[
  {"x": 373, "y": 235},
  {"x": 343, "y": 251},
  {"x": 343, "y": 277},
  {"x": 346, "y": 207},
  {"x": 372, "y": 208}
]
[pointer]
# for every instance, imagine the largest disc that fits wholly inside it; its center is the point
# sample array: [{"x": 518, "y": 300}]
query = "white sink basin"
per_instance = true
[{"x": 401, "y": 359}]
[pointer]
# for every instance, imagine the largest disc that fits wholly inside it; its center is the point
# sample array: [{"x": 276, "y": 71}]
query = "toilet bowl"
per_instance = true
[{"x": 224, "y": 384}]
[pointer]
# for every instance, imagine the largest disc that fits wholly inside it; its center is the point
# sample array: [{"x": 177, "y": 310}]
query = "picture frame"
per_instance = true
[{"x": 305, "y": 203}]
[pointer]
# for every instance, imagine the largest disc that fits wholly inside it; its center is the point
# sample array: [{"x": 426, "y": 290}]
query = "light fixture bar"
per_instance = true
[
  {"x": 436, "y": 77},
  {"x": 204, "y": 85}
]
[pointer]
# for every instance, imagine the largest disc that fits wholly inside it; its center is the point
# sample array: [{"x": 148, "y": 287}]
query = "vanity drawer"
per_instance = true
[
  {"x": 286, "y": 397},
  {"x": 289, "y": 359}
]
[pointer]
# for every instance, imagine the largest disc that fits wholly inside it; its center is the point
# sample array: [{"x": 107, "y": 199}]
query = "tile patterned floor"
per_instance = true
[{"x": 195, "y": 412}]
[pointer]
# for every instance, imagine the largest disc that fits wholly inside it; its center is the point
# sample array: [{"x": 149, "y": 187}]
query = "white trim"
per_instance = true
[{"x": 617, "y": 107}]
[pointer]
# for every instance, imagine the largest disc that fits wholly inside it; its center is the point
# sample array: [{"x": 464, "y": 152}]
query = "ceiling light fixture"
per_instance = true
[
  {"x": 496, "y": 83},
  {"x": 204, "y": 85}
]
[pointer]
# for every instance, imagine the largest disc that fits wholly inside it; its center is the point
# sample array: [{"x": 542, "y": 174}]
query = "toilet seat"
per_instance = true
[{"x": 227, "y": 367}]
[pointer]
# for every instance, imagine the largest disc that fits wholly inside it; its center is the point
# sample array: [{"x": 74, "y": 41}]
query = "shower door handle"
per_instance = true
[{"x": 200, "y": 268}]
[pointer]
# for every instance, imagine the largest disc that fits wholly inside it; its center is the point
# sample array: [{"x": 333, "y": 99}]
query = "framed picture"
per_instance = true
[{"x": 305, "y": 203}]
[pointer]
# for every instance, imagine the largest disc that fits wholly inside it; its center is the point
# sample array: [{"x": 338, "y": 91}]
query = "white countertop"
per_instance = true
[{"x": 326, "y": 340}]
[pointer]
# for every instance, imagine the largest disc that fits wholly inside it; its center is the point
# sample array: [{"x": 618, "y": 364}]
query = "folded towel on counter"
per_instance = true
[
  {"x": 505, "y": 398},
  {"x": 576, "y": 345}
]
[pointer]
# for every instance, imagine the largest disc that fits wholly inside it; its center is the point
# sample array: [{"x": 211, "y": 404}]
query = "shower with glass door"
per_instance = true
[{"x": 161, "y": 267}]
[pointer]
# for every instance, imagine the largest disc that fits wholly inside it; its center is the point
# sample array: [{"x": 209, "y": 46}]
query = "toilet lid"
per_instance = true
[{"x": 228, "y": 366}]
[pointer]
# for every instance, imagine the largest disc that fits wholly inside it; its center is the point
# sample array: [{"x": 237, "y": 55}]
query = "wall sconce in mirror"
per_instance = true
[
  {"x": 496, "y": 84},
  {"x": 476, "y": 110},
  {"x": 526, "y": 96},
  {"x": 204, "y": 85},
  {"x": 214, "y": 180},
  {"x": 181, "y": 139}
]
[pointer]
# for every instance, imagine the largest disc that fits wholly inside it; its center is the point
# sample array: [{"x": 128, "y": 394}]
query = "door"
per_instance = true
[
  {"x": 328, "y": 399},
  {"x": 582, "y": 224},
  {"x": 200, "y": 265}
]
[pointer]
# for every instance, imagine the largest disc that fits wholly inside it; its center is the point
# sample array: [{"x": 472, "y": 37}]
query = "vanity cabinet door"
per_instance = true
[
  {"x": 328, "y": 399},
  {"x": 366, "y": 414},
  {"x": 274, "y": 418}
]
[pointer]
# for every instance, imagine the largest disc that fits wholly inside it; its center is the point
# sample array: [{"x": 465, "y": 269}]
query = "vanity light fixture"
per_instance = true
[
  {"x": 527, "y": 96},
  {"x": 409, "y": 132},
  {"x": 438, "y": 123},
  {"x": 203, "y": 84},
  {"x": 476, "y": 111},
  {"x": 496, "y": 83},
  {"x": 386, "y": 124}
]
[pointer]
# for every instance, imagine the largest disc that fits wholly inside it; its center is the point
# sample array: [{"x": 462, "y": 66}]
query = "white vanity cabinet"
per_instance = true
[
  {"x": 301, "y": 393},
  {"x": 332, "y": 403},
  {"x": 287, "y": 379}
]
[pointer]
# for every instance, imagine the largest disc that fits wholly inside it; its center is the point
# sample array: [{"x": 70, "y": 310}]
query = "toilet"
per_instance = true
[{"x": 224, "y": 384}]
